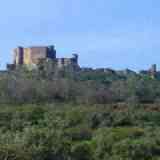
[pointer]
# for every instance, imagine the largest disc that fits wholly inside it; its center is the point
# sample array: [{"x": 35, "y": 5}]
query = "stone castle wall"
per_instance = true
[{"x": 33, "y": 55}]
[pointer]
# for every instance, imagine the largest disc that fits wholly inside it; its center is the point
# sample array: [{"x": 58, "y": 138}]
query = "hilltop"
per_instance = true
[
  {"x": 37, "y": 76},
  {"x": 53, "y": 109},
  {"x": 47, "y": 83}
]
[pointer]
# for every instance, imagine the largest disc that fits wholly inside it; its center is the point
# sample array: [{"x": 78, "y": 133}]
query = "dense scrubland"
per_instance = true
[
  {"x": 80, "y": 132},
  {"x": 85, "y": 115},
  {"x": 82, "y": 87}
]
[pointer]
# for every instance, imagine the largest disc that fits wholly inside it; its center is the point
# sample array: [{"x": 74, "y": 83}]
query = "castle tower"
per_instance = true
[
  {"x": 153, "y": 70},
  {"x": 51, "y": 52},
  {"x": 32, "y": 55},
  {"x": 18, "y": 56},
  {"x": 75, "y": 58}
]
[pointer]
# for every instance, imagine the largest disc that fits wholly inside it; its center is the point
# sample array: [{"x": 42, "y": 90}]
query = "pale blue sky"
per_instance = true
[{"x": 105, "y": 33}]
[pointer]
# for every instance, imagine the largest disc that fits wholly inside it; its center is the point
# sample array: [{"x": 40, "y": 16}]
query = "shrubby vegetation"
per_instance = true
[
  {"x": 69, "y": 132},
  {"x": 47, "y": 114},
  {"x": 88, "y": 87}
]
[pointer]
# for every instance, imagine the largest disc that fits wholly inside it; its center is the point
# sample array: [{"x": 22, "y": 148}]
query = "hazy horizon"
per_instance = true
[{"x": 116, "y": 34}]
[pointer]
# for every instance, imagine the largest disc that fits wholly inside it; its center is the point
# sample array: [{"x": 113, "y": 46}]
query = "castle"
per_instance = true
[{"x": 32, "y": 56}]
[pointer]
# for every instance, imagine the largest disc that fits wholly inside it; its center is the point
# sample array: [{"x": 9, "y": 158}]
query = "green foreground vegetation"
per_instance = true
[
  {"x": 80, "y": 132},
  {"x": 47, "y": 114}
]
